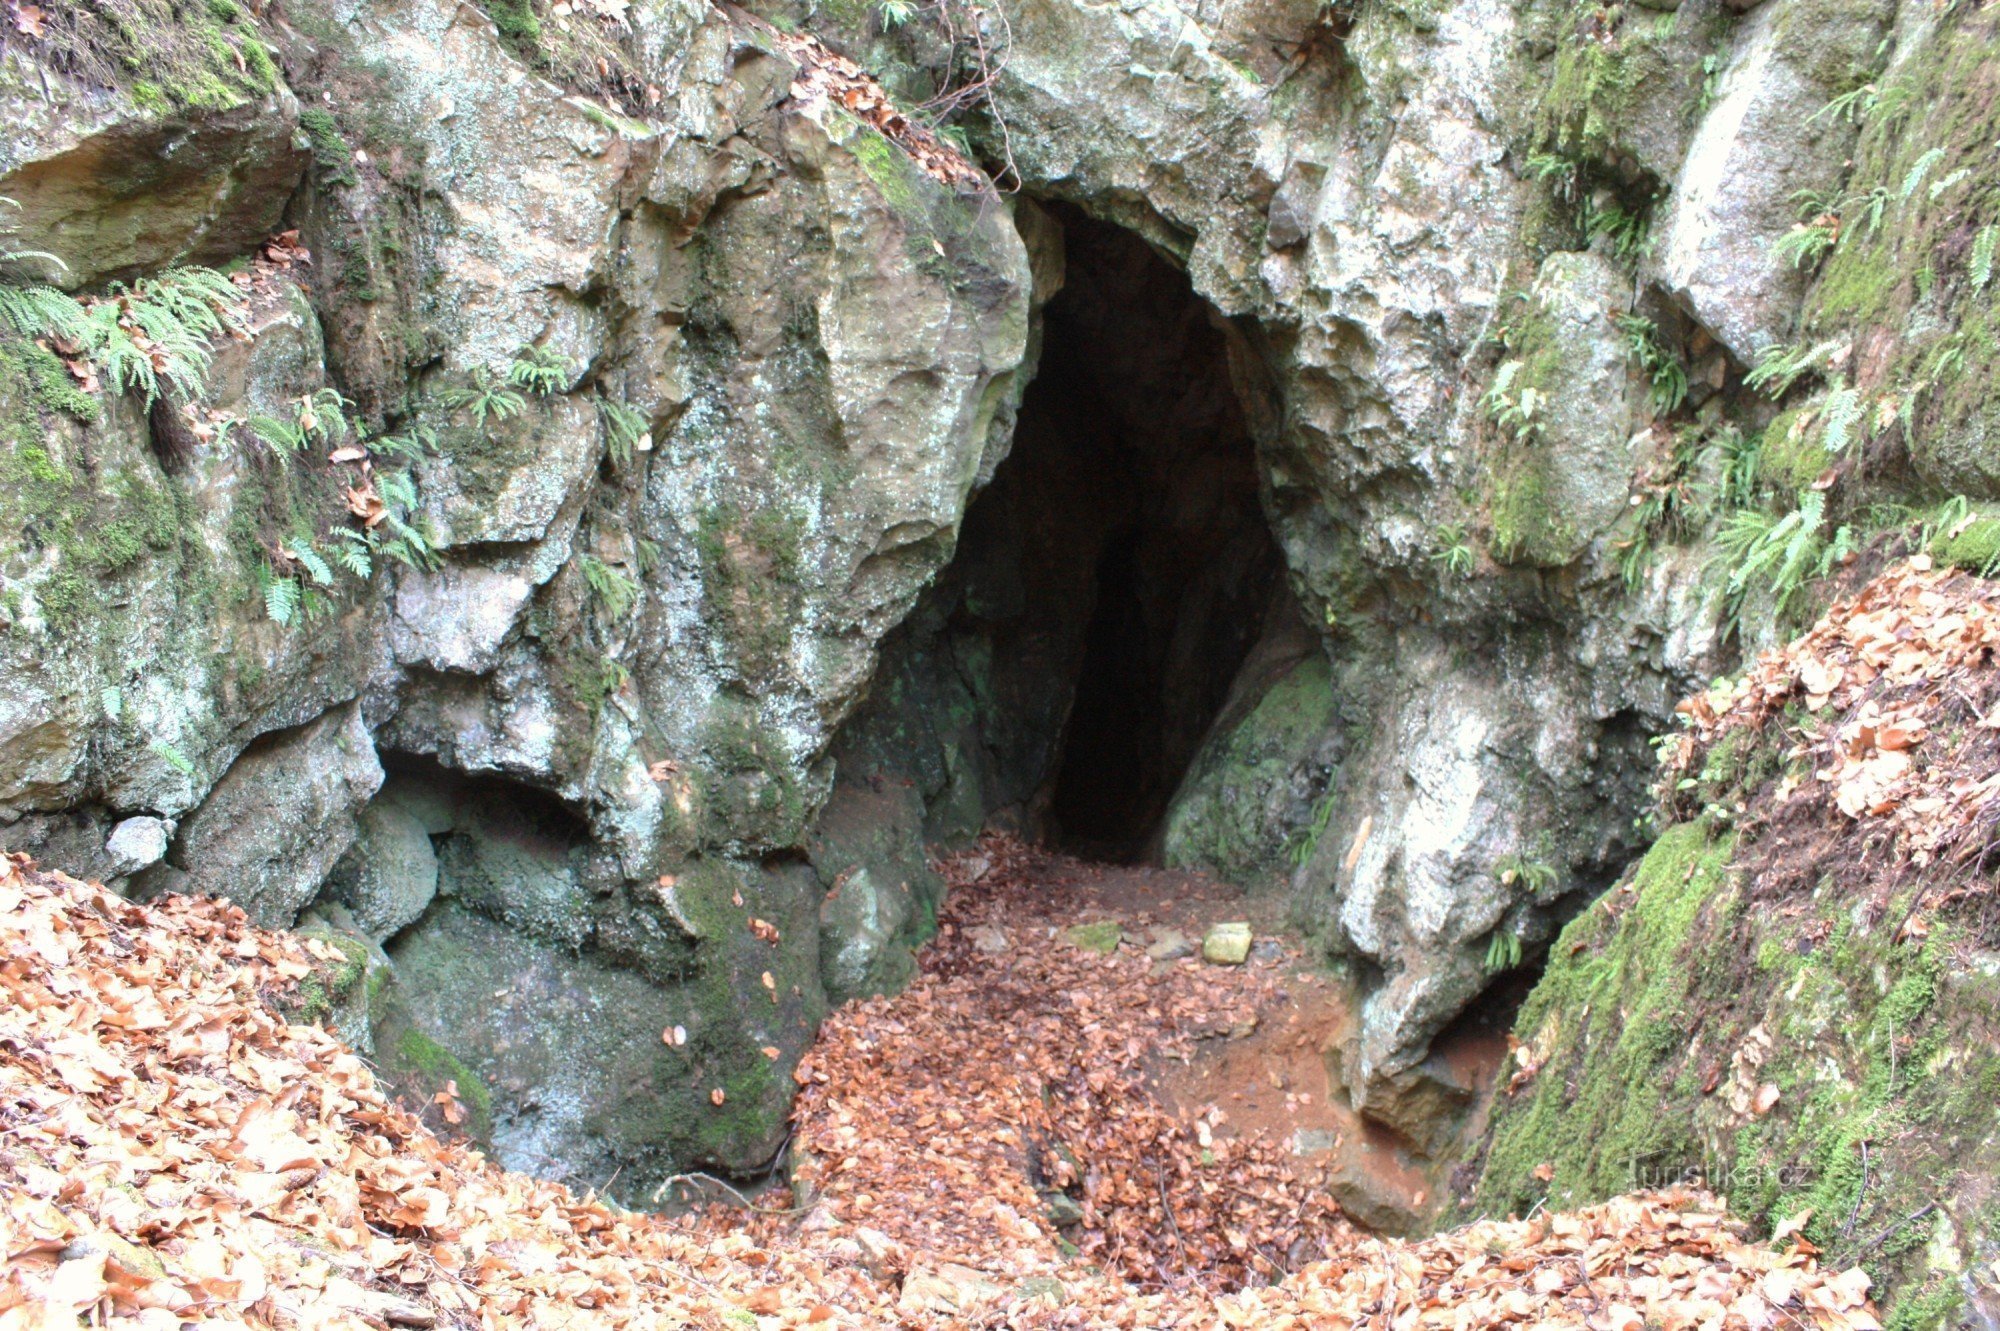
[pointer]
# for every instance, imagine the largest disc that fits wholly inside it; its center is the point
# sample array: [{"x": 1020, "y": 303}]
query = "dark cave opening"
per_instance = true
[
  {"x": 1136, "y": 384},
  {"x": 1108, "y": 583}
]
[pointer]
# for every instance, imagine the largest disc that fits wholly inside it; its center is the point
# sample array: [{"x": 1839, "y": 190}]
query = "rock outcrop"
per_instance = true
[{"x": 1456, "y": 341}]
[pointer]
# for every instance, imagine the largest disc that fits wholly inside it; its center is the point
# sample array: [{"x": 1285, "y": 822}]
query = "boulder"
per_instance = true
[
  {"x": 1099, "y": 936},
  {"x": 138, "y": 843},
  {"x": 881, "y": 894},
  {"x": 1568, "y": 476},
  {"x": 281, "y": 817},
  {"x": 389, "y": 875},
  {"x": 115, "y": 186}
]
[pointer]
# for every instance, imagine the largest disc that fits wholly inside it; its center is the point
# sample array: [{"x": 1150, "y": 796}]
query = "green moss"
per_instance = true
[
  {"x": 1791, "y": 456},
  {"x": 1232, "y": 816},
  {"x": 1931, "y": 1308},
  {"x": 331, "y": 153},
  {"x": 1612, "y": 1009},
  {"x": 416, "y": 1053},
  {"x": 751, "y": 569},
  {"x": 1102, "y": 936},
  {"x": 1900, "y": 279},
  {"x": 1972, "y": 544},
  {"x": 53, "y": 386},
  {"x": 1527, "y": 522},
  {"x": 519, "y": 26}
]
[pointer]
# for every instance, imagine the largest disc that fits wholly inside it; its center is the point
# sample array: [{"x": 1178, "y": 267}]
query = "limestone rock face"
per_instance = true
[
  {"x": 1762, "y": 146},
  {"x": 1566, "y": 476},
  {"x": 693, "y": 380},
  {"x": 113, "y": 186}
]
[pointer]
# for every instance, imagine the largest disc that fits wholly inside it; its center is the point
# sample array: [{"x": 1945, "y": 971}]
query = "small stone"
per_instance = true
[
  {"x": 1063, "y": 1209},
  {"x": 989, "y": 939},
  {"x": 1042, "y": 1287},
  {"x": 1101, "y": 936},
  {"x": 880, "y": 1254},
  {"x": 1227, "y": 944},
  {"x": 949, "y": 1288},
  {"x": 1169, "y": 944},
  {"x": 1315, "y": 1141},
  {"x": 138, "y": 843}
]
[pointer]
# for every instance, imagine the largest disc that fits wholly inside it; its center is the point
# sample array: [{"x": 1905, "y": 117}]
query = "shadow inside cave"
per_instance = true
[{"x": 1108, "y": 584}]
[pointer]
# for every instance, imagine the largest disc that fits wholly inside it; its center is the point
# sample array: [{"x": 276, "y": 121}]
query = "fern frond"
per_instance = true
[
  {"x": 310, "y": 559},
  {"x": 1982, "y": 255},
  {"x": 352, "y": 552},
  {"x": 281, "y": 598},
  {"x": 1918, "y": 170},
  {"x": 1843, "y": 412},
  {"x": 624, "y": 430},
  {"x": 41, "y": 312},
  {"x": 171, "y": 756}
]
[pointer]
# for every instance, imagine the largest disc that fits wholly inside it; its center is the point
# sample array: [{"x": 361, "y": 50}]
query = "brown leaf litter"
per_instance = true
[
  {"x": 1890, "y": 715},
  {"x": 173, "y": 1152}
]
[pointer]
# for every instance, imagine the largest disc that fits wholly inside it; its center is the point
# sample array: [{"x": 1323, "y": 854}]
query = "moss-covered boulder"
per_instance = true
[
  {"x": 1250, "y": 794},
  {"x": 1563, "y": 465},
  {"x": 881, "y": 893}
]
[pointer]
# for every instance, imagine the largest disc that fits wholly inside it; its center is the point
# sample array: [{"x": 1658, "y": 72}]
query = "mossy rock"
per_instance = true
[
  {"x": 1971, "y": 542},
  {"x": 1099, "y": 936},
  {"x": 1250, "y": 796}
]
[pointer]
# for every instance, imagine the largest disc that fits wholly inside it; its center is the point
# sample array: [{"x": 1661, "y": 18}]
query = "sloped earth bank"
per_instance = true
[
  {"x": 175, "y": 1151},
  {"x": 1794, "y": 994}
]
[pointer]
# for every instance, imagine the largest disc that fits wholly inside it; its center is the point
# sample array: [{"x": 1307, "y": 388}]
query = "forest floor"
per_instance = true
[{"x": 174, "y": 1152}]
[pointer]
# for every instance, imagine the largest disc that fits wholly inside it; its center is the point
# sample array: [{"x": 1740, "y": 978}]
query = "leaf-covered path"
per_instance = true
[{"x": 174, "y": 1153}]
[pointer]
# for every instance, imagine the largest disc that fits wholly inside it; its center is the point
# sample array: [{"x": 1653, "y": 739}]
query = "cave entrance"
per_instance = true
[{"x": 1120, "y": 566}]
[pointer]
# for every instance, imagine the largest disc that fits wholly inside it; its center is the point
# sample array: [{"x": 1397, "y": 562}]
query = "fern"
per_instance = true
[
  {"x": 281, "y": 598},
  {"x": 1503, "y": 951},
  {"x": 1663, "y": 369},
  {"x": 1785, "y": 552},
  {"x": 112, "y": 699},
  {"x": 539, "y": 370},
  {"x": 1779, "y": 367},
  {"x": 1938, "y": 187},
  {"x": 310, "y": 560},
  {"x": 1843, "y": 412},
  {"x": 171, "y": 756},
  {"x": 1512, "y": 411},
  {"x": 1538, "y": 876},
  {"x": 487, "y": 399},
  {"x": 42, "y": 312},
  {"x": 1806, "y": 243},
  {"x": 152, "y": 336},
  {"x": 1308, "y": 843},
  {"x": 397, "y": 488},
  {"x": 1853, "y": 107},
  {"x": 282, "y": 437},
  {"x": 1982, "y": 255},
  {"x": 323, "y": 415},
  {"x": 409, "y": 542},
  {"x": 418, "y": 442},
  {"x": 614, "y": 588},
  {"x": 624, "y": 430},
  {"x": 1455, "y": 555},
  {"x": 351, "y": 550},
  {"x": 1918, "y": 170}
]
